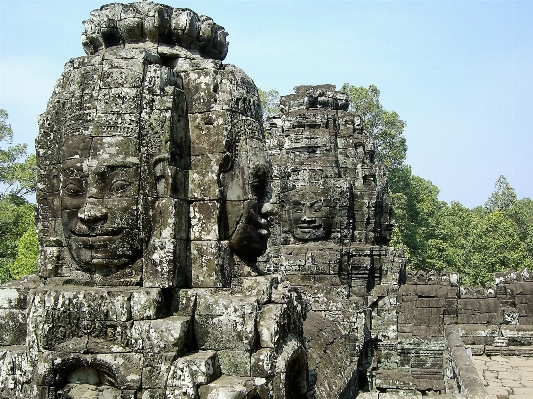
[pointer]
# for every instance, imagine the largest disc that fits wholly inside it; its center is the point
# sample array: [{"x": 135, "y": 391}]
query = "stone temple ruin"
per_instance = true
[{"x": 188, "y": 250}]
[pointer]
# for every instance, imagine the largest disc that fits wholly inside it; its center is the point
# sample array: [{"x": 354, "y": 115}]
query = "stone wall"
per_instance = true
[{"x": 491, "y": 320}]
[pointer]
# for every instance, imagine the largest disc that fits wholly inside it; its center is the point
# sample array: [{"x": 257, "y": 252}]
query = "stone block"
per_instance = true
[
  {"x": 204, "y": 221},
  {"x": 147, "y": 304},
  {"x": 259, "y": 286},
  {"x": 430, "y": 302},
  {"x": 15, "y": 294},
  {"x": 524, "y": 309},
  {"x": 519, "y": 289},
  {"x": 203, "y": 185},
  {"x": 230, "y": 387},
  {"x": 153, "y": 394},
  {"x": 161, "y": 335},
  {"x": 263, "y": 363},
  {"x": 155, "y": 370},
  {"x": 207, "y": 132},
  {"x": 199, "y": 86},
  {"x": 16, "y": 371},
  {"x": 12, "y": 327},
  {"x": 64, "y": 318},
  {"x": 188, "y": 373},
  {"x": 272, "y": 325},
  {"x": 121, "y": 100},
  {"x": 162, "y": 262},
  {"x": 235, "y": 363},
  {"x": 223, "y": 321},
  {"x": 210, "y": 265}
]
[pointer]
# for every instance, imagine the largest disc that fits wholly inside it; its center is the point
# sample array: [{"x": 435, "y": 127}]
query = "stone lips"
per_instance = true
[{"x": 119, "y": 24}]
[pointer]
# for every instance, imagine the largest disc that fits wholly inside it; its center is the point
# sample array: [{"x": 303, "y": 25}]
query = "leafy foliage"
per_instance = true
[
  {"x": 18, "y": 246},
  {"x": 16, "y": 218},
  {"x": 495, "y": 247},
  {"x": 475, "y": 242},
  {"x": 269, "y": 102},
  {"x": 503, "y": 198},
  {"x": 17, "y": 170},
  {"x": 385, "y": 127},
  {"x": 27, "y": 254}
]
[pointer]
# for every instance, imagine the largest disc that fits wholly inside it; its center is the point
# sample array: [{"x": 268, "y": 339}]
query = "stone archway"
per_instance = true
[
  {"x": 88, "y": 382},
  {"x": 291, "y": 371}
]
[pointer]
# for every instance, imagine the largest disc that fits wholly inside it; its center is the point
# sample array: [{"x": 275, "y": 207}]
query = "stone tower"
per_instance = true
[{"x": 331, "y": 237}]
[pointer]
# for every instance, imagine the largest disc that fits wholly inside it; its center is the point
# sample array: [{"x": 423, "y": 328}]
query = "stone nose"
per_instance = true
[
  {"x": 267, "y": 209},
  {"x": 307, "y": 217},
  {"x": 92, "y": 212}
]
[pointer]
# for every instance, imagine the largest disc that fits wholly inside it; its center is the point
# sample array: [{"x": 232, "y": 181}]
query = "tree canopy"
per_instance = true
[
  {"x": 269, "y": 102},
  {"x": 385, "y": 127},
  {"x": 18, "y": 246},
  {"x": 17, "y": 169}
]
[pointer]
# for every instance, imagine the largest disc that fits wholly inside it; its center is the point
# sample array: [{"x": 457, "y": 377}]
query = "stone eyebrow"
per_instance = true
[{"x": 120, "y": 162}]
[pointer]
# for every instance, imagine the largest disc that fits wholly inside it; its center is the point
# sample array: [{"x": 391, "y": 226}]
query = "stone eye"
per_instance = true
[
  {"x": 297, "y": 209},
  {"x": 73, "y": 189},
  {"x": 317, "y": 207},
  {"x": 119, "y": 186}
]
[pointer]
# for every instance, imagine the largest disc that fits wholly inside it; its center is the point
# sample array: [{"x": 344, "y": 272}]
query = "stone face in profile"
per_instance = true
[
  {"x": 310, "y": 213},
  {"x": 246, "y": 185},
  {"x": 100, "y": 195}
]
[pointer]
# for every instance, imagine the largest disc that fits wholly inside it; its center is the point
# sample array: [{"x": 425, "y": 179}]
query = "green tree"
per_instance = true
[
  {"x": 17, "y": 220},
  {"x": 419, "y": 220},
  {"x": 521, "y": 213},
  {"x": 503, "y": 198},
  {"x": 269, "y": 102},
  {"x": 27, "y": 254},
  {"x": 385, "y": 127},
  {"x": 494, "y": 247},
  {"x": 17, "y": 169}
]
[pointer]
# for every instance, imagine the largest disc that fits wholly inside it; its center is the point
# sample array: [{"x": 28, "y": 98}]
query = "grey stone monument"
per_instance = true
[{"x": 153, "y": 206}]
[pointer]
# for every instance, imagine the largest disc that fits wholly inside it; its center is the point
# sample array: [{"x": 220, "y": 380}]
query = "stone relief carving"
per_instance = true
[
  {"x": 99, "y": 197},
  {"x": 310, "y": 213}
]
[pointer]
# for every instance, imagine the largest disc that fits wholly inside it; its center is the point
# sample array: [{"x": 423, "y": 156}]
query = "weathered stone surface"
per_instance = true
[
  {"x": 161, "y": 335},
  {"x": 226, "y": 322},
  {"x": 188, "y": 373},
  {"x": 153, "y": 198},
  {"x": 157, "y": 196}
]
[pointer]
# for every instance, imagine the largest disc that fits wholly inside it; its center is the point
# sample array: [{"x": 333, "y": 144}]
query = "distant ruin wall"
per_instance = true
[{"x": 492, "y": 320}]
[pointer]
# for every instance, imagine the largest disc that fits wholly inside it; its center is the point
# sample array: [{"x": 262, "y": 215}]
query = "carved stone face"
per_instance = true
[
  {"x": 247, "y": 213},
  {"x": 310, "y": 214},
  {"x": 100, "y": 179}
]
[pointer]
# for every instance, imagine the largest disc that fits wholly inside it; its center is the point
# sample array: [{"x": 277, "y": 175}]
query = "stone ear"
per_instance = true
[
  {"x": 55, "y": 179},
  {"x": 227, "y": 163},
  {"x": 160, "y": 169}
]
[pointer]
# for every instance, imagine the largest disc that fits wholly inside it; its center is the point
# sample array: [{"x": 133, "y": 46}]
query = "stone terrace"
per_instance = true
[{"x": 506, "y": 376}]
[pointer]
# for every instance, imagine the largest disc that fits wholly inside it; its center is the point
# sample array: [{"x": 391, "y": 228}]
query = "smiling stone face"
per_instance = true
[
  {"x": 310, "y": 213},
  {"x": 100, "y": 193}
]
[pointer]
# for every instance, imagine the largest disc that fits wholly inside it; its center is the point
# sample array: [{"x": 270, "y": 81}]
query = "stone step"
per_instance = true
[{"x": 230, "y": 387}]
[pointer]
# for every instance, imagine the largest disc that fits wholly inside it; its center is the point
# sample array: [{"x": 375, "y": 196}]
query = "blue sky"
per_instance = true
[{"x": 460, "y": 73}]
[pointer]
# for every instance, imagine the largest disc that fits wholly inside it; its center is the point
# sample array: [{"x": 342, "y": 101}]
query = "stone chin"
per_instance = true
[
  {"x": 109, "y": 251},
  {"x": 249, "y": 241},
  {"x": 310, "y": 233}
]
